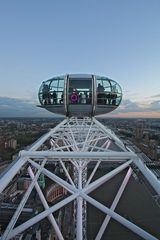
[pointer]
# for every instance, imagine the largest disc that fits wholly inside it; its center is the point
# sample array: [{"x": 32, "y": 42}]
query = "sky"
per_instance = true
[{"x": 117, "y": 39}]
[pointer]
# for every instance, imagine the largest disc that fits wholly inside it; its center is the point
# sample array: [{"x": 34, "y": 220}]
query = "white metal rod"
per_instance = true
[
  {"x": 79, "y": 219},
  {"x": 79, "y": 207},
  {"x": 95, "y": 143},
  {"x": 92, "y": 186},
  {"x": 74, "y": 163},
  {"x": 152, "y": 179},
  {"x": 92, "y": 174},
  {"x": 73, "y": 138},
  {"x": 134, "y": 228},
  {"x": 22, "y": 204},
  {"x": 55, "y": 178},
  {"x": 12, "y": 171},
  {"x": 53, "y": 143},
  {"x": 67, "y": 173},
  {"x": 114, "y": 204},
  {"x": 70, "y": 141},
  {"x": 98, "y": 138},
  {"x": 40, "y": 141},
  {"x": 75, "y": 155},
  {"x": 85, "y": 163},
  {"x": 84, "y": 144},
  {"x": 108, "y": 144},
  {"x": 41, "y": 216},
  {"x": 21, "y": 161},
  {"x": 113, "y": 136},
  {"x": 105, "y": 143},
  {"x": 95, "y": 169},
  {"x": 45, "y": 204},
  {"x": 64, "y": 168}
]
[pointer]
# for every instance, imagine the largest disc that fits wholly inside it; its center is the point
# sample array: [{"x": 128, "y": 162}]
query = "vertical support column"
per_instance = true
[{"x": 79, "y": 205}]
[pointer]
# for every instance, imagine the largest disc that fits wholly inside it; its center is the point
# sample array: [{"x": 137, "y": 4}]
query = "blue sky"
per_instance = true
[{"x": 118, "y": 39}]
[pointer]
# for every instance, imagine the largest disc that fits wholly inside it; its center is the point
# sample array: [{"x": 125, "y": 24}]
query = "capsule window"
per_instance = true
[
  {"x": 80, "y": 91},
  {"x": 108, "y": 92},
  {"x": 103, "y": 91},
  {"x": 51, "y": 92}
]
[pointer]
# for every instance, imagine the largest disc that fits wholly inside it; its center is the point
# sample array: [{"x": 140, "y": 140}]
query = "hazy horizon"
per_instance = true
[{"x": 116, "y": 39}]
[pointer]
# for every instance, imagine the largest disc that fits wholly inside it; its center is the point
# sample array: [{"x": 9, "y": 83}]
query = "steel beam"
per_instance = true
[
  {"x": 134, "y": 228},
  {"x": 22, "y": 204},
  {"x": 97, "y": 183},
  {"x": 45, "y": 204},
  {"x": 114, "y": 155},
  {"x": 82, "y": 141},
  {"x": 152, "y": 179},
  {"x": 41, "y": 216},
  {"x": 114, "y": 204},
  {"x": 12, "y": 171}
]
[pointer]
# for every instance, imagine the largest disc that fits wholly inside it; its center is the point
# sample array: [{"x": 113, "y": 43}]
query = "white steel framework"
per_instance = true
[{"x": 74, "y": 145}]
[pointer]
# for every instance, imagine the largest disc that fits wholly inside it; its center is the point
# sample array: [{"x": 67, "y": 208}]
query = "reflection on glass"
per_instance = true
[
  {"x": 80, "y": 91},
  {"x": 51, "y": 92},
  {"x": 108, "y": 92}
]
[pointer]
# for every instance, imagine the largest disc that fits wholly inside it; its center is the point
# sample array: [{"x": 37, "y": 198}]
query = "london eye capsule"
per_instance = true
[{"x": 80, "y": 95}]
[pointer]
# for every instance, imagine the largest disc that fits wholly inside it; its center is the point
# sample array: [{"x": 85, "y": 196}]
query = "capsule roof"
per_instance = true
[{"x": 80, "y": 95}]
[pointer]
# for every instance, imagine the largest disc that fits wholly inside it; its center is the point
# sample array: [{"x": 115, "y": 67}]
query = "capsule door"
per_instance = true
[{"x": 79, "y": 95}]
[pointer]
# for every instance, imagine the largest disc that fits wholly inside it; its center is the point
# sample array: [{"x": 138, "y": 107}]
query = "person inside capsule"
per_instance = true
[
  {"x": 96, "y": 95},
  {"x": 46, "y": 94}
]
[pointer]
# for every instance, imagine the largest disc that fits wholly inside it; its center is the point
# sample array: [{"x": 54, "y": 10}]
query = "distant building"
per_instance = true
[
  {"x": 24, "y": 182},
  {"x": 158, "y": 153},
  {"x": 54, "y": 191},
  {"x": 138, "y": 132},
  {"x": 12, "y": 143}
]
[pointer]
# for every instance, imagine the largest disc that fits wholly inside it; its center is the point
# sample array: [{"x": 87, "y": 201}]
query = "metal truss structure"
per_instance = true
[{"x": 76, "y": 145}]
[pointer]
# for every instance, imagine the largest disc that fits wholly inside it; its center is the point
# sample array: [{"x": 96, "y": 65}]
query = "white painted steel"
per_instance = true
[
  {"x": 21, "y": 161},
  {"x": 9, "y": 175},
  {"x": 114, "y": 204},
  {"x": 152, "y": 179},
  {"x": 110, "y": 134},
  {"x": 92, "y": 174},
  {"x": 67, "y": 173},
  {"x": 40, "y": 141},
  {"x": 97, "y": 183},
  {"x": 77, "y": 142},
  {"x": 79, "y": 205},
  {"x": 22, "y": 204},
  {"x": 113, "y": 156},
  {"x": 41, "y": 216},
  {"x": 46, "y": 206},
  {"x": 55, "y": 178},
  {"x": 139, "y": 231}
]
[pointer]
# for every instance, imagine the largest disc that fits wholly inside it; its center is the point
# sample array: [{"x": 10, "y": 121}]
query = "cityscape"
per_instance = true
[
  {"x": 18, "y": 133},
  {"x": 140, "y": 135},
  {"x": 80, "y": 120}
]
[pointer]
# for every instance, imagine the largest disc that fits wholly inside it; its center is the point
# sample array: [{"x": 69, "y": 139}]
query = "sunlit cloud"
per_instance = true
[
  {"x": 12, "y": 107},
  {"x": 137, "y": 109},
  {"x": 156, "y": 96},
  {"x": 137, "y": 115}
]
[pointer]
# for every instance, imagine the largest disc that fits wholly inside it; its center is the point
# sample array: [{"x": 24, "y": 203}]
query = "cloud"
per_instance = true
[
  {"x": 129, "y": 106},
  {"x": 155, "y": 106},
  {"x": 137, "y": 109},
  {"x": 155, "y": 96},
  {"x": 12, "y": 107}
]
